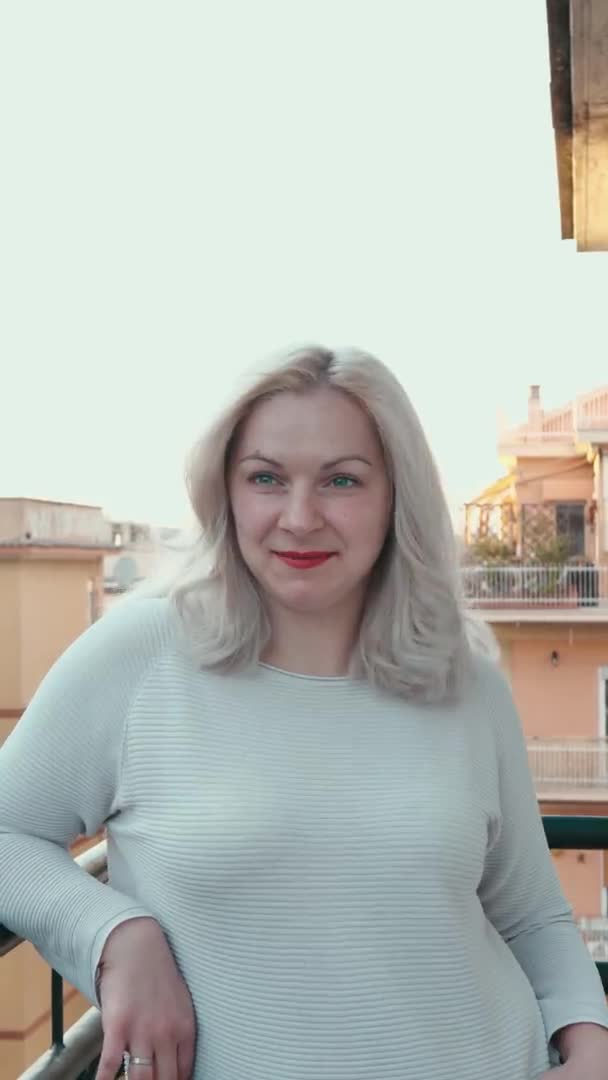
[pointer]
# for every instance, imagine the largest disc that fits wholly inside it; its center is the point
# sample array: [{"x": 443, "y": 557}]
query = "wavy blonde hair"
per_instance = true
[{"x": 415, "y": 638}]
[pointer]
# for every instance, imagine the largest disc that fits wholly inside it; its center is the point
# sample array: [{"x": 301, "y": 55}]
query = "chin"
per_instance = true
[{"x": 305, "y": 597}]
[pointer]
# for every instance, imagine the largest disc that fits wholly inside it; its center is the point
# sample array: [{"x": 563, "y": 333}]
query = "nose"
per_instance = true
[{"x": 300, "y": 512}]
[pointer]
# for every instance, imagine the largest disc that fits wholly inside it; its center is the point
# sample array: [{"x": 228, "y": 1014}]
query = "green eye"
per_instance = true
[
  {"x": 263, "y": 479},
  {"x": 344, "y": 482}
]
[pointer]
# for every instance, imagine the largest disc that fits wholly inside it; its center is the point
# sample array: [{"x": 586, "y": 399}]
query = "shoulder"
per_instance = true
[
  {"x": 487, "y": 676},
  {"x": 140, "y": 625},
  {"x": 495, "y": 704},
  {"x": 122, "y": 645},
  {"x": 87, "y": 692},
  {"x": 145, "y": 622}
]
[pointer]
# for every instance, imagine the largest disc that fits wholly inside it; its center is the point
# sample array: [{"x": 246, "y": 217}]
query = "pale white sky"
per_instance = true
[{"x": 190, "y": 185}]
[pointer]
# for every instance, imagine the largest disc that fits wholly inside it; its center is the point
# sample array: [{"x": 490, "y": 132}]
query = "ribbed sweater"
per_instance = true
[{"x": 354, "y": 887}]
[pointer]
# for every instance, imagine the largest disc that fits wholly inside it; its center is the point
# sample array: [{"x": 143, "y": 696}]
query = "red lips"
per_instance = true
[{"x": 304, "y": 560}]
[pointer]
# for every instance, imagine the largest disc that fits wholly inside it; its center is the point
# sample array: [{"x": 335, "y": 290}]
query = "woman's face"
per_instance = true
[{"x": 310, "y": 497}]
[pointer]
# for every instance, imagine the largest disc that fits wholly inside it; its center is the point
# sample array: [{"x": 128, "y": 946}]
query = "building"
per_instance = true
[
  {"x": 138, "y": 552},
  {"x": 51, "y": 589},
  {"x": 536, "y": 567},
  {"x": 578, "y": 32}
]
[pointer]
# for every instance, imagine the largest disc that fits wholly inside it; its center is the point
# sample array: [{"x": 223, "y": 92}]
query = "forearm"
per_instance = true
[{"x": 47, "y": 899}]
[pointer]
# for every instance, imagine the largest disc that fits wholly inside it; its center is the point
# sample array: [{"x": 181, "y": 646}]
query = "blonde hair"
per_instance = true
[{"x": 414, "y": 639}]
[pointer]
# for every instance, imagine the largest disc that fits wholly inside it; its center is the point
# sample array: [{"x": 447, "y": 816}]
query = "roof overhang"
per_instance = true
[
  {"x": 52, "y": 552},
  {"x": 578, "y": 44}
]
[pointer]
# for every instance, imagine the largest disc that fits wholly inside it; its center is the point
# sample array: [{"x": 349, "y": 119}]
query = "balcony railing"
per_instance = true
[
  {"x": 574, "y": 422},
  {"x": 595, "y": 935},
  {"x": 591, "y": 412},
  {"x": 575, "y": 766},
  {"x": 74, "y": 1054},
  {"x": 504, "y": 586}
]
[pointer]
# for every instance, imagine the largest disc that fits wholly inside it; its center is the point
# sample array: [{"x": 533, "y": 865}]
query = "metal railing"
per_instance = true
[
  {"x": 580, "y": 834},
  {"x": 505, "y": 586},
  {"x": 568, "y": 764},
  {"x": 595, "y": 933},
  {"x": 74, "y": 1054}
]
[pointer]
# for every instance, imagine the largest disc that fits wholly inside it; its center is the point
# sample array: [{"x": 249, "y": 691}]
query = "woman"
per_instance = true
[{"x": 326, "y": 857}]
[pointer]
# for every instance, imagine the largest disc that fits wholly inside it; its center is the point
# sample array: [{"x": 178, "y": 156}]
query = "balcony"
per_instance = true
[
  {"x": 560, "y": 431},
  {"x": 574, "y": 768},
  {"x": 74, "y": 1054},
  {"x": 577, "y": 592},
  {"x": 595, "y": 935},
  {"x": 591, "y": 416}
]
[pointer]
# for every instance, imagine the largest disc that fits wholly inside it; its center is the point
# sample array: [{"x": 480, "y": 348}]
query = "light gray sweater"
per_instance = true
[{"x": 354, "y": 887}]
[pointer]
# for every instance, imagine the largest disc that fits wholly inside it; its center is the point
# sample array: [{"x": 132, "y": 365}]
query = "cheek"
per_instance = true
[
  {"x": 252, "y": 516},
  {"x": 363, "y": 526}
]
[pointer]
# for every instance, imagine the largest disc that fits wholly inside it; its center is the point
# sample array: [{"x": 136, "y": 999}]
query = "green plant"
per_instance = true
[
  {"x": 489, "y": 549},
  {"x": 552, "y": 552}
]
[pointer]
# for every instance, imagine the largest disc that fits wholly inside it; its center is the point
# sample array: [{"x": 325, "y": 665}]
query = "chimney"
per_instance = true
[{"x": 535, "y": 412}]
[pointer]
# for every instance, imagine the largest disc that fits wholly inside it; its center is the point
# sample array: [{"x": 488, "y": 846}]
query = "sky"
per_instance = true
[{"x": 190, "y": 187}]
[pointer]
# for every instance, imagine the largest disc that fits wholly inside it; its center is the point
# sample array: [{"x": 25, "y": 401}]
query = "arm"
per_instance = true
[
  {"x": 520, "y": 890},
  {"x": 60, "y": 778},
  {"x": 584, "y": 1043}
]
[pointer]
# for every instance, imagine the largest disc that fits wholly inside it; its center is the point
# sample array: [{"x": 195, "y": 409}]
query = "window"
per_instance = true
[{"x": 570, "y": 523}]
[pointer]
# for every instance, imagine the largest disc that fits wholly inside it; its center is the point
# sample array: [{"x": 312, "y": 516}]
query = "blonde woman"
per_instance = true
[{"x": 326, "y": 858}]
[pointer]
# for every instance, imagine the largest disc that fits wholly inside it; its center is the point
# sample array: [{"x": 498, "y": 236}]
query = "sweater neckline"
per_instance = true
[{"x": 332, "y": 679}]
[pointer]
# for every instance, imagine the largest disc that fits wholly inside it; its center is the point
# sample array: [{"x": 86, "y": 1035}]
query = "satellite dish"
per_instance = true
[{"x": 125, "y": 572}]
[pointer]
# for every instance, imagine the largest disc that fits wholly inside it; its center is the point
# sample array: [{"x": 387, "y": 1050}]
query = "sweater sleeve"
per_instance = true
[
  {"x": 59, "y": 778},
  {"x": 520, "y": 889}
]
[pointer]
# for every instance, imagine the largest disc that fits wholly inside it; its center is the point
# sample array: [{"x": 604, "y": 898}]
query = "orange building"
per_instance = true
[
  {"x": 536, "y": 566},
  {"x": 51, "y": 589}
]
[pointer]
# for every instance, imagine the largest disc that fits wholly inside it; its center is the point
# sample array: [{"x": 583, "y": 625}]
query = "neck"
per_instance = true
[{"x": 310, "y": 643}]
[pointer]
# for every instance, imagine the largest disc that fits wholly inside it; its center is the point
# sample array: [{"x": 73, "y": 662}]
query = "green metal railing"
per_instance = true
[
  {"x": 581, "y": 834},
  {"x": 74, "y": 1054}
]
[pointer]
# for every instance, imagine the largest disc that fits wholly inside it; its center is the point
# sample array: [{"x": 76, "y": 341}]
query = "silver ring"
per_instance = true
[{"x": 129, "y": 1059}]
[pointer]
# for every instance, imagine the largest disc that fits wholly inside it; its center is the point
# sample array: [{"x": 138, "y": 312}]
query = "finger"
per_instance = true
[
  {"x": 137, "y": 1069},
  {"x": 142, "y": 1061},
  {"x": 185, "y": 1060},
  {"x": 165, "y": 1063},
  {"x": 111, "y": 1059}
]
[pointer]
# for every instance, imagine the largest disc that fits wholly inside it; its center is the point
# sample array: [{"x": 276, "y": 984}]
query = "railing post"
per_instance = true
[{"x": 57, "y": 1042}]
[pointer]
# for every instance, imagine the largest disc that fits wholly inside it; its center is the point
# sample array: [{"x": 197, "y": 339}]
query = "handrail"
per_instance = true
[
  {"x": 82, "y": 1046},
  {"x": 582, "y": 833}
]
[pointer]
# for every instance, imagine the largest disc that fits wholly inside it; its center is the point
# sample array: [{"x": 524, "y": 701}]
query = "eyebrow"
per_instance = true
[{"x": 327, "y": 465}]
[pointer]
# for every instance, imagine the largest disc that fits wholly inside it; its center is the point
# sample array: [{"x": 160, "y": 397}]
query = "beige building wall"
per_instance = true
[
  {"x": 62, "y": 591},
  {"x": 10, "y": 650},
  {"x": 561, "y": 701},
  {"x": 581, "y": 874},
  {"x": 564, "y": 479},
  {"x": 47, "y": 601}
]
